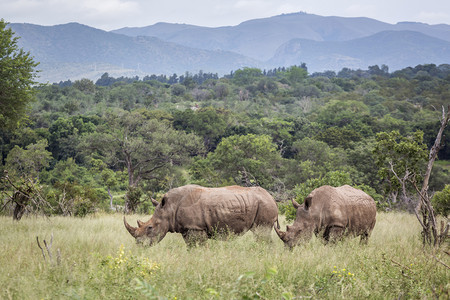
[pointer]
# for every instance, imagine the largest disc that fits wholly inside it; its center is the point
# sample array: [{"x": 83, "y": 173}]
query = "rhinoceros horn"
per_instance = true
[
  {"x": 295, "y": 203},
  {"x": 131, "y": 229},
  {"x": 140, "y": 223},
  {"x": 280, "y": 233},
  {"x": 155, "y": 203}
]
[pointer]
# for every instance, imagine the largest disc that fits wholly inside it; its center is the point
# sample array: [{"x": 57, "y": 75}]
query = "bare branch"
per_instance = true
[{"x": 42, "y": 250}]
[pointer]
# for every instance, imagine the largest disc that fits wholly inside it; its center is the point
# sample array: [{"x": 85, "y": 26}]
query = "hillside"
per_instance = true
[
  {"x": 396, "y": 49},
  {"x": 73, "y": 51},
  {"x": 260, "y": 38}
]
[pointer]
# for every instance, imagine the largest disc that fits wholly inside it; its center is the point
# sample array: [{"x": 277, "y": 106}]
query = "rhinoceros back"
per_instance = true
[
  {"x": 359, "y": 209},
  {"x": 234, "y": 208}
]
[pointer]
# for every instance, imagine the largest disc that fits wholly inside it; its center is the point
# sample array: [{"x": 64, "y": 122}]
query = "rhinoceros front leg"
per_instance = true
[
  {"x": 333, "y": 233},
  {"x": 195, "y": 237}
]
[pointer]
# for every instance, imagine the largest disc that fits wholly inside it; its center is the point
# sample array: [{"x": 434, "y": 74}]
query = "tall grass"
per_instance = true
[{"x": 99, "y": 259}]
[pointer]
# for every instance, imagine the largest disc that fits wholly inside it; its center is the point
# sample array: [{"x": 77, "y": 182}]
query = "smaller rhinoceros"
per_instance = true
[
  {"x": 335, "y": 211},
  {"x": 199, "y": 213}
]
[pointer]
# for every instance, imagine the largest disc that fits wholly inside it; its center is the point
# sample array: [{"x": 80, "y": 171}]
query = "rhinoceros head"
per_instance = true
[
  {"x": 152, "y": 231},
  {"x": 301, "y": 230}
]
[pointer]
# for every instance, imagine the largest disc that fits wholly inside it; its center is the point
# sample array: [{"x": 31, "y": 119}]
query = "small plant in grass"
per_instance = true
[
  {"x": 129, "y": 266},
  {"x": 147, "y": 290},
  {"x": 338, "y": 280},
  {"x": 248, "y": 286}
]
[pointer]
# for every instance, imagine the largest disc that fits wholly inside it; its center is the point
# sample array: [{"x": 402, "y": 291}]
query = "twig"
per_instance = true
[
  {"x": 440, "y": 261},
  {"x": 42, "y": 250}
]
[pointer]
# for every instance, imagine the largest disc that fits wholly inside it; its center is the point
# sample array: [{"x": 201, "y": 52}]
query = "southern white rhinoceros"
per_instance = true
[
  {"x": 335, "y": 211},
  {"x": 199, "y": 213}
]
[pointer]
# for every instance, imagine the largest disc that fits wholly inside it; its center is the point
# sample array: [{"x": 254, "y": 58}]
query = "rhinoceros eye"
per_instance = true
[{"x": 163, "y": 202}]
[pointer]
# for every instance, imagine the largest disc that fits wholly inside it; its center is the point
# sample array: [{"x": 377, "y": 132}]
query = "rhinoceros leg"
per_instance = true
[
  {"x": 193, "y": 238},
  {"x": 364, "y": 238},
  {"x": 333, "y": 233}
]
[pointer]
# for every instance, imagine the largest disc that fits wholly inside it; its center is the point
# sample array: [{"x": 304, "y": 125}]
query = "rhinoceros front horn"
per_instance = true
[
  {"x": 280, "y": 233},
  {"x": 131, "y": 229}
]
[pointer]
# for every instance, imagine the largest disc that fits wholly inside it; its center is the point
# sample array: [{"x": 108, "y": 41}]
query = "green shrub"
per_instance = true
[{"x": 441, "y": 201}]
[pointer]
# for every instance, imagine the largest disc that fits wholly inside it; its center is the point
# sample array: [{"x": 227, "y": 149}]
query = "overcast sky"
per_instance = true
[{"x": 114, "y": 14}]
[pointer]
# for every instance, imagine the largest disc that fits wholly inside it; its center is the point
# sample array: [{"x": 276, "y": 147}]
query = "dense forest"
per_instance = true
[{"x": 116, "y": 142}]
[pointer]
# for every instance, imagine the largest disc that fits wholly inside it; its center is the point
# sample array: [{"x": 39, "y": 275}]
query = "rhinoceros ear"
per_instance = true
[{"x": 308, "y": 202}]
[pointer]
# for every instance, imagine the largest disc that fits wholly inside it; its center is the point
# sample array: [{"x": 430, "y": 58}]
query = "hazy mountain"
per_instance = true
[
  {"x": 73, "y": 51},
  {"x": 396, "y": 49},
  {"x": 260, "y": 38}
]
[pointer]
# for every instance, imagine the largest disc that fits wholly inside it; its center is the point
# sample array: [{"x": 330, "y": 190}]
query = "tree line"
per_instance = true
[{"x": 83, "y": 142}]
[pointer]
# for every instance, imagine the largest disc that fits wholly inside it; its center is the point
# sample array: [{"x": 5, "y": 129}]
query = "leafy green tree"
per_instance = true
[
  {"x": 108, "y": 177},
  {"x": 28, "y": 162},
  {"x": 296, "y": 74},
  {"x": 441, "y": 201},
  {"x": 17, "y": 77},
  {"x": 246, "y": 76},
  {"x": 66, "y": 134},
  {"x": 248, "y": 160},
  {"x": 209, "y": 123},
  {"x": 399, "y": 160},
  {"x": 339, "y": 137},
  {"x": 144, "y": 148},
  {"x": 85, "y": 85}
]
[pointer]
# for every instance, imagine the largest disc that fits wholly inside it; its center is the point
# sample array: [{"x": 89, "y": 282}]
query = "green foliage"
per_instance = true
[
  {"x": 399, "y": 158},
  {"x": 246, "y": 76},
  {"x": 146, "y": 148},
  {"x": 163, "y": 131},
  {"x": 28, "y": 162},
  {"x": 441, "y": 201},
  {"x": 248, "y": 159},
  {"x": 17, "y": 77},
  {"x": 296, "y": 74},
  {"x": 209, "y": 123}
]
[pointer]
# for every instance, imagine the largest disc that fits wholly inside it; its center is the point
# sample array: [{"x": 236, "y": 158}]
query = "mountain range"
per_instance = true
[{"x": 74, "y": 51}]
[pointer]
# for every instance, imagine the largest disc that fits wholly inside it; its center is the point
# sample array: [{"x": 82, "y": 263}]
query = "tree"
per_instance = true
[
  {"x": 399, "y": 160},
  {"x": 17, "y": 77},
  {"x": 209, "y": 123},
  {"x": 247, "y": 159},
  {"x": 142, "y": 147},
  {"x": 28, "y": 162},
  {"x": 424, "y": 207},
  {"x": 246, "y": 76},
  {"x": 296, "y": 74}
]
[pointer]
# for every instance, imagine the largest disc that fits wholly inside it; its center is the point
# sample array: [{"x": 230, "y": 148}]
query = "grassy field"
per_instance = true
[{"x": 100, "y": 260}]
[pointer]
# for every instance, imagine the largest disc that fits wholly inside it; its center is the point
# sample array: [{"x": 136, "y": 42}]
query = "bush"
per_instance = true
[{"x": 441, "y": 201}]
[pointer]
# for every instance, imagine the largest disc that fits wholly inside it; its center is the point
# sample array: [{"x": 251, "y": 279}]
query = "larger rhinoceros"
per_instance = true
[
  {"x": 199, "y": 213},
  {"x": 335, "y": 211}
]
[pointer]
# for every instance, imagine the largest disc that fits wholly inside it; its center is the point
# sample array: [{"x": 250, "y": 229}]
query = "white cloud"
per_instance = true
[{"x": 112, "y": 14}]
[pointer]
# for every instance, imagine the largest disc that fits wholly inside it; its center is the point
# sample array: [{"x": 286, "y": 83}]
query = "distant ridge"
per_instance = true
[{"x": 73, "y": 51}]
